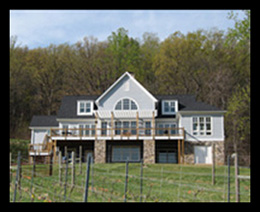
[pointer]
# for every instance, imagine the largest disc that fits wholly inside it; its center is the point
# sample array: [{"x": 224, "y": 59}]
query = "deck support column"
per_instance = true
[
  {"x": 100, "y": 151},
  {"x": 137, "y": 125},
  {"x": 149, "y": 151},
  {"x": 179, "y": 152}
]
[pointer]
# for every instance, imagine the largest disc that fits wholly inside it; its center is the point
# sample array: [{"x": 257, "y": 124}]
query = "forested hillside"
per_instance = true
[{"x": 212, "y": 64}]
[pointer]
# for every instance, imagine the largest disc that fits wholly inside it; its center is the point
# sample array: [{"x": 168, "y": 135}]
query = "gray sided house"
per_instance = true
[{"x": 127, "y": 122}]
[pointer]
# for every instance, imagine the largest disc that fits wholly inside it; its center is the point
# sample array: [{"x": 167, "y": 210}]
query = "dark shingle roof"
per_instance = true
[
  {"x": 44, "y": 121},
  {"x": 186, "y": 103},
  {"x": 68, "y": 108}
]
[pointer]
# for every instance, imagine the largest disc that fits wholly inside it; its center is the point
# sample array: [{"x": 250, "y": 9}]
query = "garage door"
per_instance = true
[
  {"x": 122, "y": 153},
  {"x": 203, "y": 154}
]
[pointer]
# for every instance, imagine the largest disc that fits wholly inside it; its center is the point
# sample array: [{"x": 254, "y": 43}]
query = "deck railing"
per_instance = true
[{"x": 113, "y": 132}]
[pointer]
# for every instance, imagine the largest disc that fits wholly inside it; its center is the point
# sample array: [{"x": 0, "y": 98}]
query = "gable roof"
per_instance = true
[
  {"x": 44, "y": 121},
  {"x": 68, "y": 108},
  {"x": 118, "y": 80}
]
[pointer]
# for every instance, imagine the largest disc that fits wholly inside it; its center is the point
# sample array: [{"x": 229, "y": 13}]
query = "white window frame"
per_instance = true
[
  {"x": 85, "y": 103},
  {"x": 198, "y": 131},
  {"x": 130, "y": 104},
  {"x": 169, "y": 112}
]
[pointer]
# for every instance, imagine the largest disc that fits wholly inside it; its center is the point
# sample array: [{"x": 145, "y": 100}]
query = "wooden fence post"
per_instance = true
[
  {"x": 17, "y": 174},
  {"x": 73, "y": 169},
  {"x": 87, "y": 179},
  {"x": 60, "y": 167},
  {"x": 237, "y": 179},
  {"x": 213, "y": 164},
  {"x": 80, "y": 160}
]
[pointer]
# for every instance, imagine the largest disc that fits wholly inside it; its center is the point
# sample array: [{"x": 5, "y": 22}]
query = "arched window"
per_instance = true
[{"x": 126, "y": 104}]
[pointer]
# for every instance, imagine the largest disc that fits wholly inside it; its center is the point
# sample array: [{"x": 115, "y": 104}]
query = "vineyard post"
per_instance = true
[
  {"x": 17, "y": 174},
  {"x": 66, "y": 178},
  {"x": 60, "y": 167},
  {"x": 141, "y": 180},
  {"x": 80, "y": 160},
  {"x": 73, "y": 169},
  {"x": 126, "y": 180},
  {"x": 228, "y": 163},
  {"x": 33, "y": 174},
  {"x": 87, "y": 178}
]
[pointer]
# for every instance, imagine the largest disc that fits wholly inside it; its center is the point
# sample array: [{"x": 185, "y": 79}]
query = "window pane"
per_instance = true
[
  {"x": 93, "y": 129},
  {"x": 208, "y": 126},
  {"x": 126, "y": 105},
  {"x": 88, "y": 108},
  {"x": 201, "y": 126},
  {"x": 133, "y": 106},
  {"x": 82, "y": 107},
  {"x": 87, "y": 129},
  {"x": 160, "y": 130},
  {"x": 147, "y": 126},
  {"x": 172, "y": 106},
  {"x": 117, "y": 126},
  {"x": 133, "y": 126},
  {"x": 125, "y": 126},
  {"x": 207, "y": 119},
  {"x": 201, "y": 119},
  {"x": 119, "y": 106},
  {"x": 166, "y": 107},
  {"x": 195, "y": 126},
  {"x": 195, "y": 119},
  {"x": 104, "y": 127}
]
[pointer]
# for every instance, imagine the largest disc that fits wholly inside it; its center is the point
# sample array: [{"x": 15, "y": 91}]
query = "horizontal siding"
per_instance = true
[
  {"x": 217, "y": 128},
  {"x": 133, "y": 92}
]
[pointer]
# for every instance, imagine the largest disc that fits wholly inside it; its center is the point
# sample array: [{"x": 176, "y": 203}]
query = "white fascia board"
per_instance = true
[
  {"x": 202, "y": 112},
  {"x": 119, "y": 79},
  {"x": 75, "y": 120},
  {"x": 42, "y": 128}
]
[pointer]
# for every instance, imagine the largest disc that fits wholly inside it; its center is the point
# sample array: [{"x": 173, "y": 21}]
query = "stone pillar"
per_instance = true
[
  {"x": 149, "y": 151},
  {"x": 100, "y": 151}
]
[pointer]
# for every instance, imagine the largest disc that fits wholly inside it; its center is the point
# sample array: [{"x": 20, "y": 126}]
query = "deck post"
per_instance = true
[
  {"x": 183, "y": 151},
  {"x": 112, "y": 125},
  {"x": 137, "y": 125},
  {"x": 179, "y": 151},
  {"x": 153, "y": 126},
  {"x": 96, "y": 116}
]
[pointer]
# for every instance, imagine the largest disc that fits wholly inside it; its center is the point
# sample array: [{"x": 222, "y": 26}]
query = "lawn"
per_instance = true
[{"x": 161, "y": 183}]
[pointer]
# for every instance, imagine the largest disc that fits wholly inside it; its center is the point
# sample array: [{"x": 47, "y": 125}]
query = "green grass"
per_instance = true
[{"x": 161, "y": 183}]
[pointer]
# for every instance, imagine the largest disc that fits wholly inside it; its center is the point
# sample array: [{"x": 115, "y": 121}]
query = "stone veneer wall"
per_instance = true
[
  {"x": 100, "y": 151},
  {"x": 189, "y": 151},
  {"x": 149, "y": 151}
]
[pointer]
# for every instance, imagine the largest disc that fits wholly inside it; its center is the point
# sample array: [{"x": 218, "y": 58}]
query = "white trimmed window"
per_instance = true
[
  {"x": 169, "y": 107},
  {"x": 202, "y": 125},
  {"x": 126, "y": 104},
  {"x": 85, "y": 108}
]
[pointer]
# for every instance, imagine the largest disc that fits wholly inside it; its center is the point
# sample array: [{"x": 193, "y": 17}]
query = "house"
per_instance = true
[{"x": 127, "y": 122}]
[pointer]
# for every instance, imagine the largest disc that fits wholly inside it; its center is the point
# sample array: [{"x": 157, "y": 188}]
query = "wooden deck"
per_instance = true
[{"x": 117, "y": 134}]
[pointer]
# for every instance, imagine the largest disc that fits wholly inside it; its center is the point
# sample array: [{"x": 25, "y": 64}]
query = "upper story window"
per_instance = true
[
  {"x": 202, "y": 125},
  {"x": 169, "y": 107},
  {"x": 85, "y": 108},
  {"x": 126, "y": 104}
]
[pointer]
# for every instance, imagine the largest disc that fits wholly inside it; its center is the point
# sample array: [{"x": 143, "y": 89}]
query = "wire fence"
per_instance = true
[{"x": 68, "y": 181}]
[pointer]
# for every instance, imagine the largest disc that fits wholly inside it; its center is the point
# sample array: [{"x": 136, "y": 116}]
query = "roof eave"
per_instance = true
[{"x": 202, "y": 112}]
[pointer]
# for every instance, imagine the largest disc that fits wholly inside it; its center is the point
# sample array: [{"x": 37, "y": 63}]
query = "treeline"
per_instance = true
[{"x": 212, "y": 64}]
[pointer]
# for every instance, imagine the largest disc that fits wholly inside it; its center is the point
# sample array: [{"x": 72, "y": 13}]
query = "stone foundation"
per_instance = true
[
  {"x": 189, "y": 151},
  {"x": 149, "y": 151},
  {"x": 100, "y": 151}
]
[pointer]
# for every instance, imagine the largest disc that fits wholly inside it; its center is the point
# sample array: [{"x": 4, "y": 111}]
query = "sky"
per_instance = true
[{"x": 40, "y": 28}]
